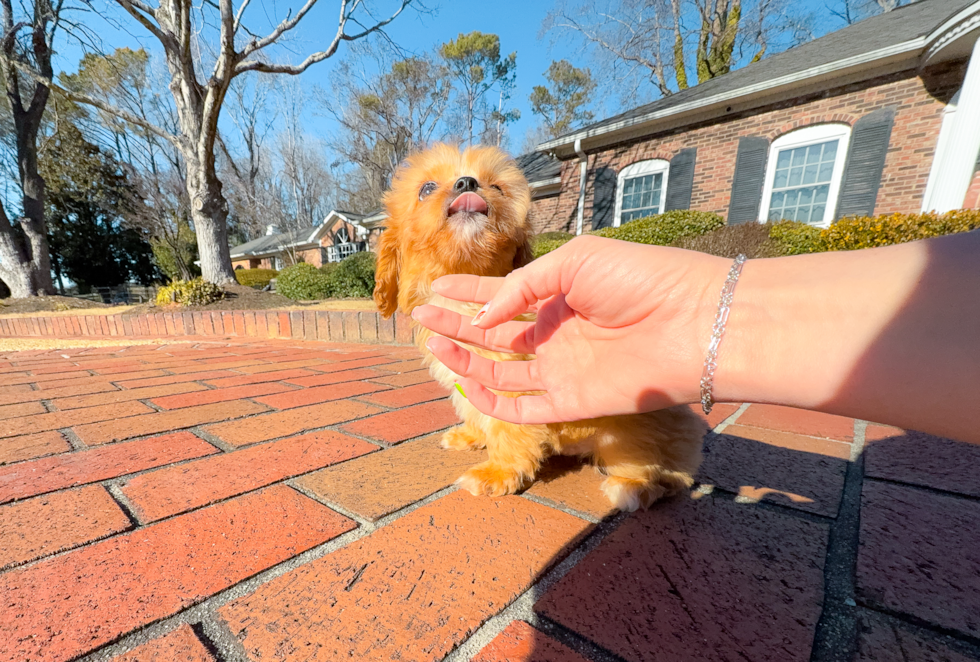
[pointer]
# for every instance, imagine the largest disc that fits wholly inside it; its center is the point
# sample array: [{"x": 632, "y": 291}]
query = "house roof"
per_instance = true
[
  {"x": 897, "y": 37},
  {"x": 539, "y": 166},
  {"x": 272, "y": 243}
]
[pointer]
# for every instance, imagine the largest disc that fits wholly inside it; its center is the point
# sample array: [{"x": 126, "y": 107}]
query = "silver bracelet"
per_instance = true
[{"x": 724, "y": 307}]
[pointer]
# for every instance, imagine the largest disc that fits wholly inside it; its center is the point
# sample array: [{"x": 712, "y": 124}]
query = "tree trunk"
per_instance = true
[{"x": 209, "y": 212}]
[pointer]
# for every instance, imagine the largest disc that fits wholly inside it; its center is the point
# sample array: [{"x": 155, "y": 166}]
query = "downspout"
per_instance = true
[{"x": 583, "y": 161}]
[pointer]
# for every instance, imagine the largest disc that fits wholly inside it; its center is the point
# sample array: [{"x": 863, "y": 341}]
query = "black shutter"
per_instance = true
[
  {"x": 604, "y": 198},
  {"x": 750, "y": 174},
  {"x": 865, "y": 162},
  {"x": 680, "y": 179}
]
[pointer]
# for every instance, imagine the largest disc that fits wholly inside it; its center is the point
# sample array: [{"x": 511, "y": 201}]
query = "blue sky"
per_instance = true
[{"x": 517, "y": 22}]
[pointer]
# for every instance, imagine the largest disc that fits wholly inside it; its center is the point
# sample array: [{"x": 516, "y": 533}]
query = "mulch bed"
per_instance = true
[{"x": 44, "y": 304}]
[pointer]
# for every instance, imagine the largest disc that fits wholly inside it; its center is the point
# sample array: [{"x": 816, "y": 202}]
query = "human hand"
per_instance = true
[{"x": 621, "y": 328}]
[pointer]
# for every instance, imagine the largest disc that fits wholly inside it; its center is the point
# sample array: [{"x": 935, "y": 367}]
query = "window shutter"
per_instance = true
[
  {"x": 865, "y": 162},
  {"x": 750, "y": 174},
  {"x": 604, "y": 198},
  {"x": 680, "y": 179}
]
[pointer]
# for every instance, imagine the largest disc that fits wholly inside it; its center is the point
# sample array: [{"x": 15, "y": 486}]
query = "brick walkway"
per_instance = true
[{"x": 282, "y": 500}]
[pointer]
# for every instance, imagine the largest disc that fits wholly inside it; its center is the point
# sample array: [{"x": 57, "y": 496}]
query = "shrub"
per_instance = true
[
  {"x": 864, "y": 232},
  {"x": 795, "y": 238},
  {"x": 197, "y": 292},
  {"x": 303, "y": 281},
  {"x": 752, "y": 239},
  {"x": 664, "y": 229},
  {"x": 353, "y": 276},
  {"x": 548, "y": 241},
  {"x": 257, "y": 278}
]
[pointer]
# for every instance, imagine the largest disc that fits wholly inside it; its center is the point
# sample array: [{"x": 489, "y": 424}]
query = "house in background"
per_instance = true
[
  {"x": 882, "y": 116},
  {"x": 340, "y": 235}
]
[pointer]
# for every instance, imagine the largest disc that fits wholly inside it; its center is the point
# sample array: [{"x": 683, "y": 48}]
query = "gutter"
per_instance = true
[
  {"x": 909, "y": 49},
  {"x": 583, "y": 172}
]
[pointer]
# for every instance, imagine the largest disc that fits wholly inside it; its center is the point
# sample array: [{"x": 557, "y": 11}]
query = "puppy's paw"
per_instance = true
[
  {"x": 489, "y": 479},
  {"x": 630, "y": 494},
  {"x": 462, "y": 439}
]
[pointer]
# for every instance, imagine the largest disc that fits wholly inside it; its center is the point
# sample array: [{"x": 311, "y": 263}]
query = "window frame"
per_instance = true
[
  {"x": 641, "y": 169},
  {"x": 811, "y": 135}
]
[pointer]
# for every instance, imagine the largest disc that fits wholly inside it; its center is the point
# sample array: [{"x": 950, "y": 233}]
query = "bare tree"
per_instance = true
[
  {"x": 383, "y": 117},
  {"x": 199, "y": 92},
  {"x": 662, "y": 42},
  {"x": 852, "y": 11},
  {"x": 26, "y": 47}
]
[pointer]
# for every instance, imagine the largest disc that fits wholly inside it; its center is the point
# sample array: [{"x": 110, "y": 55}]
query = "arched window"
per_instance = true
[
  {"x": 804, "y": 173},
  {"x": 342, "y": 236},
  {"x": 641, "y": 190}
]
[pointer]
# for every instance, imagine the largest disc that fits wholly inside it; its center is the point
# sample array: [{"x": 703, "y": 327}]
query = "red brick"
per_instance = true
[
  {"x": 26, "y": 447},
  {"x": 309, "y": 324},
  {"x": 921, "y": 459},
  {"x": 336, "y": 319},
  {"x": 368, "y": 325},
  {"x": 82, "y": 380},
  {"x": 881, "y": 640},
  {"x": 96, "y": 386},
  {"x": 791, "y": 470},
  {"x": 116, "y": 397},
  {"x": 386, "y": 329},
  {"x": 171, "y": 490},
  {"x": 311, "y": 396},
  {"x": 272, "y": 321},
  {"x": 138, "y": 426},
  {"x": 697, "y": 580},
  {"x": 24, "y": 409},
  {"x": 258, "y": 378},
  {"x": 285, "y": 328},
  {"x": 405, "y": 378},
  {"x": 177, "y": 379},
  {"x": 319, "y": 379},
  {"x": 47, "y": 524},
  {"x": 403, "y": 329},
  {"x": 287, "y": 423},
  {"x": 48, "y": 474},
  {"x": 799, "y": 421},
  {"x": 718, "y": 414},
  {"x": 352, "y": 326},
  {"x": 396, "y": 426},
  {"x": 63, "y": 419},
  {"x": 181, "y": 645},
  {"x": 61, "y": 608},
  {"x": 219, "y": 395},
  {"x": 522, "y": 643},
  {"x": 918, "y": 555},
  {"x": 238, "y": 321},
  {"x": 410, "y": 395},
  {"x": 285, "y": 365},
  {"x": 410, "y": 365},
  {"x": 397, "y": 594}
]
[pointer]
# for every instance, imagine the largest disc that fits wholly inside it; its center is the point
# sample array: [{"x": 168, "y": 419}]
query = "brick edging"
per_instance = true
[{"x": 353, "y": 326}]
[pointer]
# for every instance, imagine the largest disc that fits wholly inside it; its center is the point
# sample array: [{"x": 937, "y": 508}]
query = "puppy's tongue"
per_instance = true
[{"x": 470, "y": 202}]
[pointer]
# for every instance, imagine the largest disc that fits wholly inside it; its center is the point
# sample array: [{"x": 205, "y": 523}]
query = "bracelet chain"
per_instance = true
[{"x": 721, "y": 319}]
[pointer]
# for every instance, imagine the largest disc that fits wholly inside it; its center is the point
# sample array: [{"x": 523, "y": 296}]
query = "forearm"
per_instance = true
[{"x": 890, "y": 335}]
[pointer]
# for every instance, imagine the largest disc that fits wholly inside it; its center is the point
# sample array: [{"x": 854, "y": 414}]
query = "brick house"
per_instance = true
[
  {"x": 882, "y": 116},
  {"x": 340, "y": 234}
]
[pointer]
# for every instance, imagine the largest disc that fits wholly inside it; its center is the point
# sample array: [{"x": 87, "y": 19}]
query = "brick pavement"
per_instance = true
[{"x": 233, "y": 500}]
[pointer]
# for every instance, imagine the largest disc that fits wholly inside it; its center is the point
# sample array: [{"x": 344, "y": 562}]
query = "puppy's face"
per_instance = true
[{"x": 450, "y": 212}]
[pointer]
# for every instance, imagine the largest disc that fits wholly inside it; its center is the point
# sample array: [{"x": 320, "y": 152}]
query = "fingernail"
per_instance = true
[
  {"x": 428, "y": 344},
  {"x": 413, "y": 314},
  {"x": 460, "y": 389},
  {"x": 481, "y": 314}
]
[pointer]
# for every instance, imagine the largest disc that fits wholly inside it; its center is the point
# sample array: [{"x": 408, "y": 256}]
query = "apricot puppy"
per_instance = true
[{"x": 452, "y": 212}]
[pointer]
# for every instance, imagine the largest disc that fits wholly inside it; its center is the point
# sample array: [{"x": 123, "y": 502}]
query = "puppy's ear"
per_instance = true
[{"x": 386, "y": 273}]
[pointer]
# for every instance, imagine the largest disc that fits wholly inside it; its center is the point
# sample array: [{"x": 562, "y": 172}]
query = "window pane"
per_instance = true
[
  {"x": 801, "y": 182},
  {"x": 795, "y": 176},
  {"x": 782, "y": 161},
  {"x": 641, "y": 197}
]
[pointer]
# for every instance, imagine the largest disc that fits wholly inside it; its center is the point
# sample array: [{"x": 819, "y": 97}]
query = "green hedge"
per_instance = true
[
  {"x": 549, "y": 241},
  {"x": 664, "y": 229},
  {"x": 257, "y": 278},
  {"x": 353, "y": 277},
  {"x": 197, "y": 292},
  {"x": 862, "y": 232}
]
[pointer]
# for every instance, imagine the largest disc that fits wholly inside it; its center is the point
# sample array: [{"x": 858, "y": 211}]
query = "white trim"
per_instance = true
[
  {"x": 810, "y": 135},
  {"x": 963, "y": 22},
  {"x": 942, "y": 148},
  {"x": 640, "y": 169},
  {"x": 913, "y": 46}
]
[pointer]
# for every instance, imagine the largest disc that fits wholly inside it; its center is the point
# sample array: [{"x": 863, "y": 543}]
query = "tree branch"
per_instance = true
[
  {"x": 134, "y": 9},
  {"x": 91, "y": 101}
]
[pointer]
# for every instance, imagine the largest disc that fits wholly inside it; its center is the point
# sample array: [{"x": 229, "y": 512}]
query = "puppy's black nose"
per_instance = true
[{"x": 464, "y": 184}]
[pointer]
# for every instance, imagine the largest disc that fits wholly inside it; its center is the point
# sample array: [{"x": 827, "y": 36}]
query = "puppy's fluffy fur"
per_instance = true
[{"x": 431, "y": 234}]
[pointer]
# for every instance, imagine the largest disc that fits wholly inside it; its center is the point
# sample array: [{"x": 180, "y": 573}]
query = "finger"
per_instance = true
[
  {"x": 479, "y": 289},
  {"x": 512, "y": 337},
  {"x": 500, "y": 375},
  {"x": 525, "y": 409}
]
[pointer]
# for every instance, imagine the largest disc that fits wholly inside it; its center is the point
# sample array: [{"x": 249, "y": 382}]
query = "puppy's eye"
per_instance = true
[
  {"x": 499, "y": 190},
  {"x": 426, "y": 189}
]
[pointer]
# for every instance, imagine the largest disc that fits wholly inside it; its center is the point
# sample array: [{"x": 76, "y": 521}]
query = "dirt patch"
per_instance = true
[{"x": 45, "y": 304}]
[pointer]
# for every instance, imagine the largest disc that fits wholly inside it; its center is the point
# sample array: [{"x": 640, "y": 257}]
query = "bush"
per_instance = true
[
  {"x": 197, "y": 292},
  {"x": 864, "y": 232},
  {"x": 303, "y": 281},
  {"x": 664, "y": 229},
  {"x": 257, "y": 278},
  {"x": 353, "y": 276},
  {"x": 752, "y": 239},
  {"x": 795, "y": 238},
  {"x": 549, "y": 241}
]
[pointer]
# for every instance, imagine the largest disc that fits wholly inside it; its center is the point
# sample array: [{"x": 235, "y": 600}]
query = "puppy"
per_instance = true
[{"x": 467, "y": 213}]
